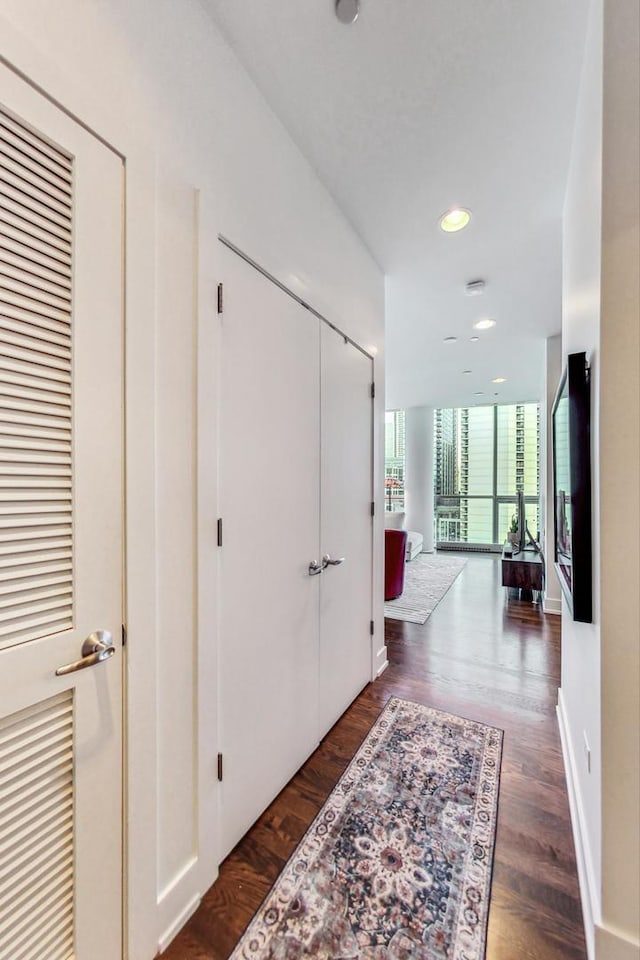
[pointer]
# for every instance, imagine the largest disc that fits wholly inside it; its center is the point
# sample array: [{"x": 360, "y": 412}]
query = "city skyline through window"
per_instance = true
[{"x": 483, "y": 456}]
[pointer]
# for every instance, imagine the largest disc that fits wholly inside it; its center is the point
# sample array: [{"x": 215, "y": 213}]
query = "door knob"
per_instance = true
[
  {"x": 315, "y": 568},
  {"x": 97, "y": 647},
  {"x": 328, "y": 562}
]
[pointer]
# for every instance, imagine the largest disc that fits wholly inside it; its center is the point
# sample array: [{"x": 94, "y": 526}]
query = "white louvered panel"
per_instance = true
[
  {"x": 33, "y": 268},
  {"x": 40, "y": 353},
  {"x": 43, "y": 351},
  {"x": 39, "y": 238},
  {"x": 32, "y": 218},
  {"x": 13, "y": 251},
  {"x": 24, "y": 179},
  {"x": 15, "y": 148},
  {"x": 22, "y": 164},
  {"x": 28, "y": 142},
  {"x": 52, "y": 331},
  {"x": 37, "y": 831},
  {"x": 46, "y": 295},
  {"x": 28, "y": 201},
  {"x": 42, "y": 377},
  {"x": 36, "y": 494},
  {"x": 10, "y": 378}
]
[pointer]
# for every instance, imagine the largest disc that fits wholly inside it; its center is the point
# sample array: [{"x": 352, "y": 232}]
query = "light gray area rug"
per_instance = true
[{"x": 426, "y": 580}]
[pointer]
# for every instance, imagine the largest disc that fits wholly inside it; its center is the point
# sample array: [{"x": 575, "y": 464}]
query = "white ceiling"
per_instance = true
[{"x": 418, "y": 106}]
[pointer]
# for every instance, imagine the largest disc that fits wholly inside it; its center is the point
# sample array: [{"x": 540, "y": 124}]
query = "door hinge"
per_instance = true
[
  {"x": 124, "y": 635},
  {"x": 372, "y": 391},
  {"x": 220, "y": 767},
  {"x": 371, "y": 627},
  {"x": 220, "y": 296},
  {"x": 219, "y": 531},
  {"x": 373, "y": 508}
]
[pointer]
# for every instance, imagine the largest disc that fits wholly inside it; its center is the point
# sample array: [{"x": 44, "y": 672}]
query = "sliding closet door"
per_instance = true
[
  {"x": 346, "y": 525},
  {"x": 269, "y": 486}
]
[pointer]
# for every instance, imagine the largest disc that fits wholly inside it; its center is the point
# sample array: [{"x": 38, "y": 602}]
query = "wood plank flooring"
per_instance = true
[{"x": 481, "y": 656}]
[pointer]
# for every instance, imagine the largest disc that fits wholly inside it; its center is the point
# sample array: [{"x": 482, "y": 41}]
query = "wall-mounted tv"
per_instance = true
[{"x": 571, "y": 415}]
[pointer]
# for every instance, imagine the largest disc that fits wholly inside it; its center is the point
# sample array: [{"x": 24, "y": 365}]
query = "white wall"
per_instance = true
[
  {"x": 552, "y": 373},
  {"x": 580, "y": 690},
  {"x": 600, "y": 668},
  {"x": 619, "y": 936},
  {"x": 203, "y": 154}
]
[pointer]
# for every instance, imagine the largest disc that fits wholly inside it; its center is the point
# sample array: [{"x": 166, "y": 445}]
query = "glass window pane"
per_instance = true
[
  {"x": 508, "y": 510},
  {"x": 446, "y": 452},
  {"x": 465, "y": 451},
  {"x": 394, "y": 460},
  {"x": 505, "y": 512},
  {"x": 447, "y": 520},
  {"x": 476, "y": 521},
  {"x": 517, "y": 450},
  {"x": 464, "y": 520},
  {"x": 476, "y": 450}
]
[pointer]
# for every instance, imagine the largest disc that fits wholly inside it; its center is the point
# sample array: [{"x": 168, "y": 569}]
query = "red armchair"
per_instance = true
[{"x": 395, "y": 547}]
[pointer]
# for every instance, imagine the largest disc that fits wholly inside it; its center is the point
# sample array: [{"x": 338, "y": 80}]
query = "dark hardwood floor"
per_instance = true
[{"x": 479, "y": 656}]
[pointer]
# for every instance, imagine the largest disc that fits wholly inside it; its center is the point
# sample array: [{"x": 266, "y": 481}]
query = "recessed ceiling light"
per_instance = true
[
  {"x": 485, "y": 324},
  {"x": 474, "y": 288},
  {"x": 450, "y": 340},
  {"x": 499, "y": 380},
  {"x": 466, "y": 371},
  {"x": 347, "y": 10},
  {"x": 474, "y": 339},
  {"x": 455, "y": 219},
  {"x": 478, "y": 393}
]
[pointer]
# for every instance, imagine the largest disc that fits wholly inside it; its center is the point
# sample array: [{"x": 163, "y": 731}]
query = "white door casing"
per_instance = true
[
  {"x": 61, "y": 544},
  {"x": 269, "y": 436},
  {"x": 346, "y": 524}
]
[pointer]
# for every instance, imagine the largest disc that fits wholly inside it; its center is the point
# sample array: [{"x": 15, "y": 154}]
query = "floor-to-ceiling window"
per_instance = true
[{"x": 482, "y": 457}]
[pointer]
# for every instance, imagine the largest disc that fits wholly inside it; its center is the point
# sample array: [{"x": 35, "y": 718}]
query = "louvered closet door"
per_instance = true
[{"x": 60, "y": 534}]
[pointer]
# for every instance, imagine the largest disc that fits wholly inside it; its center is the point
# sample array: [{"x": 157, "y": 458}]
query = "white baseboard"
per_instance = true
[
  {"x": 551, "y": 605},
  {"x": 612, "y": 945},
  {"x": 586, "y": 879},
  {"x": 382, "y": 669},
  {"x": 174, "y": 928}
]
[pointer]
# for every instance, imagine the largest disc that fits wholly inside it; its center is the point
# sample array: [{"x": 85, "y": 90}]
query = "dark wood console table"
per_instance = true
[{"x": 523, "y": 571}]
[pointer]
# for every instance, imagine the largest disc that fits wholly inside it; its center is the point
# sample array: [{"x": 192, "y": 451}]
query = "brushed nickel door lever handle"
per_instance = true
[{"x": 97, "y": 647}]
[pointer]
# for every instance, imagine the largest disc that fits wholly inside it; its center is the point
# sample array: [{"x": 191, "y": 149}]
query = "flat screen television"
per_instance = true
[{"x": 571, "y": 416}]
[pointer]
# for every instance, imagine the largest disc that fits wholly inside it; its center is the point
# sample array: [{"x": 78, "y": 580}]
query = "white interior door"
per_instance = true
[
  {"x": 346, "y": 525},
  {"x": 269, "y": 497},
  {"x": 60, "y": 534}
]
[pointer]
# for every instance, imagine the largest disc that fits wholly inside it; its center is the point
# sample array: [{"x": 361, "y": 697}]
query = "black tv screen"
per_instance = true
[{"x": 571, "y": 417}]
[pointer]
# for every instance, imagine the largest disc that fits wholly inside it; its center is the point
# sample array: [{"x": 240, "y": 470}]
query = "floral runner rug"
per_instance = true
[
  {"x": 397, "y": 864},
  {"x": 426, "y": 580}
]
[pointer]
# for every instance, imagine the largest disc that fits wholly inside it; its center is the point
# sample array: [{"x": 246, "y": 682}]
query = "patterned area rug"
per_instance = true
[
  {"x": 426, "y": 580},
  {"x": 397, "y": 864}
]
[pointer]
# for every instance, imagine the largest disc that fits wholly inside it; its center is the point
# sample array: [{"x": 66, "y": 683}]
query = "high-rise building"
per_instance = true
[
  {"x": 483, "y": 456},
  {"x": 394, "y": 435},
  {"x": 446, "y": 474},
  {"x": 446, "y": 452},
  {"x": 394, "y": 459},
  {"x": 518, "y": 461},
  {"x": 476, "y": 474}
]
